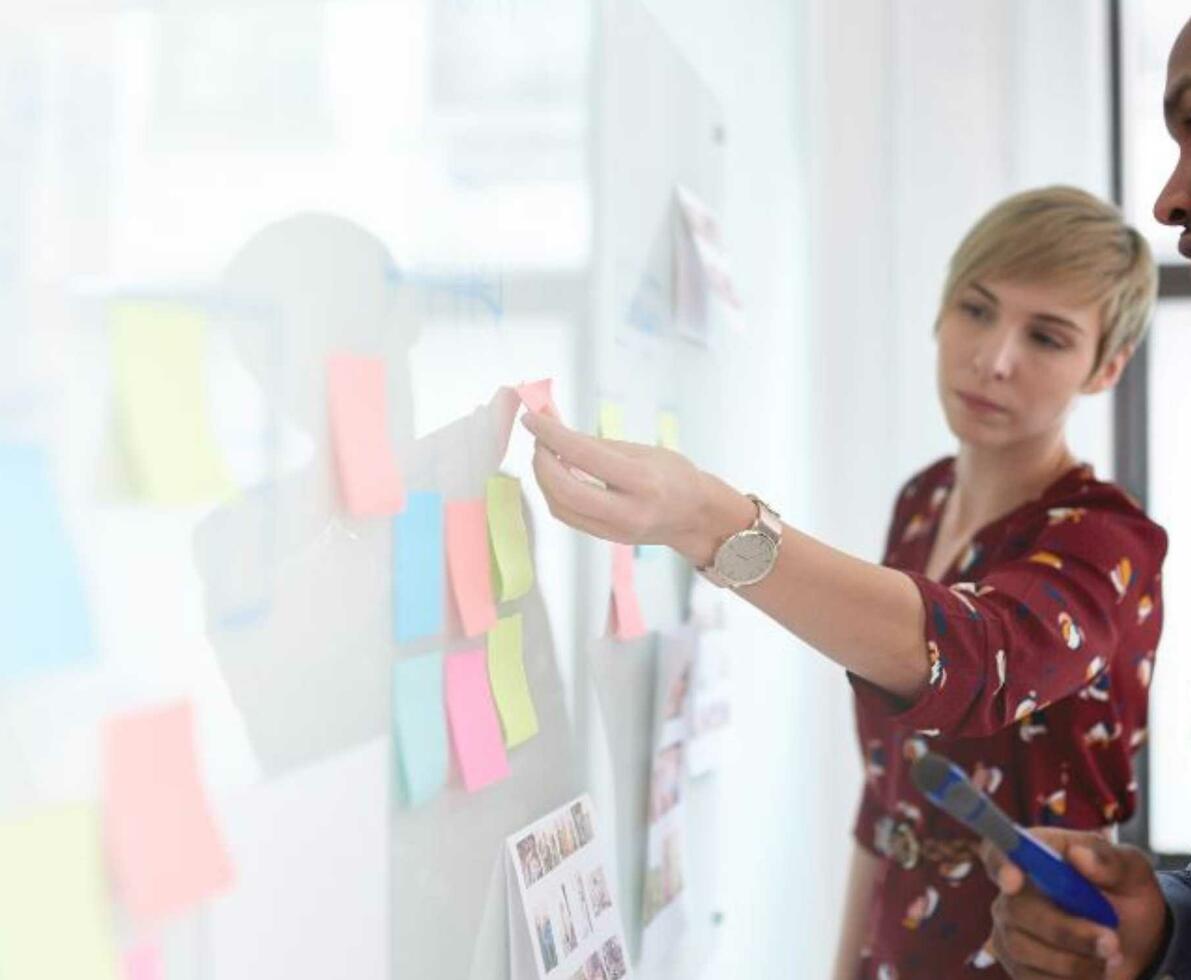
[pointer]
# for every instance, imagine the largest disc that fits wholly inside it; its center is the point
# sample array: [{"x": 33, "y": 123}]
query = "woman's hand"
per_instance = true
[{"x": 644, "y": 494}]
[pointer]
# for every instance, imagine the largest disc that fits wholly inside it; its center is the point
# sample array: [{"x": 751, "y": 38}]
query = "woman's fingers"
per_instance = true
[
  {"x": 572, "y": 498},
  {"x": 594, "y": 456}
]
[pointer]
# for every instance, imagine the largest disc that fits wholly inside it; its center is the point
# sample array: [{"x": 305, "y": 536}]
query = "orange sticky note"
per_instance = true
[
  {"x": 475, "y": 728},
  {"x": 166, "y": 852},
  {"x": 626, "y": 621},
  {"x": 467, "y": 561},
  {"x": 369, "y": 480},
  {"x": 538, "y": 396}
]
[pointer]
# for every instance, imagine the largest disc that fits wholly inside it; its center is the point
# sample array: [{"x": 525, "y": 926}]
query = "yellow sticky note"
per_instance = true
[
  {"x": 159, "y": 351},
  {"x": 509, "y": 538},
  {"x": 510, "y": 686},
  {"x": 668, "y": 431},
  {"x": 55, "y": 913},
  {"x": 611, "y": 421}
]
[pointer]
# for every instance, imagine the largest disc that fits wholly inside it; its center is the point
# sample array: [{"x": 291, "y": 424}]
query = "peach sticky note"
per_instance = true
[
  {"x": 55, "y": 911},
  {"x": 143, "y": 963},
  {"x": 369, "y": 479},
  {"x": 611, "y": 421},
  {"x": 159, "y": 352},
  {"x": 509, "y": 537},
  {"x": 626, "y": 620},
  {"x": 510, "y": 686},
  {"x": 538, "y": 396},
  {"x": 166, "y": 852},
  {"x": 467, "y": 561},
  {"x": 475, "y": 729}
]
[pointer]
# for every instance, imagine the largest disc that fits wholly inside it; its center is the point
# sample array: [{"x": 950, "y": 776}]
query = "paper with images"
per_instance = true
[
  {"x": 55, "y": 914},
  {"x": 711, "y": 703},
  {"x": 369, "y": 479},
  {"x": 159, "y": 352},
  {"x": 563, "y": 921},
  {"x": 702, "y": 278},
  {"x": 663, "y": 907},
  {"x": 42, "y": 603},
  {"x": 167, "y": 853}
]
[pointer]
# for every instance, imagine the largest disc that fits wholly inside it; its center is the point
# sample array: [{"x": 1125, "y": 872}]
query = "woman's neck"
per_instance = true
[{"x": 992, "y": 482}]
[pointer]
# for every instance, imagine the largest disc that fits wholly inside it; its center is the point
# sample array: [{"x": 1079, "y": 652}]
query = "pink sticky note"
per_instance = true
[
  {"x": 369, "y": 479},
  {"x": 166, "y": 852},
  {"x": 475, "y": 727},
  {"x": 538, "y": 396},
  {"x": 143, "y": 963},
  {"x": 627, "y": 622},
  {"x": 469, "y": 565}
]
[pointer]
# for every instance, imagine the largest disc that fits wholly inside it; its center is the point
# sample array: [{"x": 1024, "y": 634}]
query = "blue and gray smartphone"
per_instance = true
[{"x": 946, "y": 785}]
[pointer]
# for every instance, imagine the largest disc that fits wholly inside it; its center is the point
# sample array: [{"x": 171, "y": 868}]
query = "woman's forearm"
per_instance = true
[{"x": 865, "y": 617}]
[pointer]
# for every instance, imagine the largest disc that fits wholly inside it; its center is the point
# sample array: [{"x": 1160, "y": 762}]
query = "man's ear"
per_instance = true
[{"x": 1109, "y": 373}]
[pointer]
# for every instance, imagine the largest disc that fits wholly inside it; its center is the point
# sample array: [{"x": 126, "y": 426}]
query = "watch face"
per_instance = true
[{"x": 746, "y": 557}]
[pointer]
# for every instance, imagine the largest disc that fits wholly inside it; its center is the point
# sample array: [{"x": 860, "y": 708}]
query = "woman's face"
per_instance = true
[{"x": 1013, "y": 357}]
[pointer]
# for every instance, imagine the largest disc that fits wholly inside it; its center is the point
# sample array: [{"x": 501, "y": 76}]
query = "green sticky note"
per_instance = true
[
  {"x": 509, "y": 539},
  {"x": 510, "y": 686},
  {"x": 611, "y": 421},
  {"x": 668, "y": 431},
  {"x": 159, "y": 352},
  {"x": 55, "y": 913},
  {"x": 420, "y": 727}
]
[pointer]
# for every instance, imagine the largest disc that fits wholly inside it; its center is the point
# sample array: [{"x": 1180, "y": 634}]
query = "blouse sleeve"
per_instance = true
[{"x": 1034, "y": 630}]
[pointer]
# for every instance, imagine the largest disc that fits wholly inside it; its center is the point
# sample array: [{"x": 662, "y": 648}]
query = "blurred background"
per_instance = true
[{"x": 142, "y": 144}]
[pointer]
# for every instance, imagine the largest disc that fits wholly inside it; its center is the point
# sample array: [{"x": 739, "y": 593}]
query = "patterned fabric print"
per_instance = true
[{"x": 1040, "y": 641}]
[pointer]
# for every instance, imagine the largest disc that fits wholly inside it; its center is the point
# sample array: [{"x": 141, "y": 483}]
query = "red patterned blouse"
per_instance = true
[{"x": 1041, "y": 640}]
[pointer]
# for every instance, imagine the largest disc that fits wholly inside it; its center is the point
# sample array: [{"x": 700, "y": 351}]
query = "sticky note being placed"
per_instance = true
[
  {"x": 538, "y": 396},
  {"x": 475, "y": 729},
  {"x": 510, "y": 540},
  {"x": 42, "y": 605},
  {"x": 611, "y": 421},
  {"x": 419, "y": 584},
  {"x": 420, "y": 727},
  {"x": 627, "y": 622},
  {"x": 467, "y": 560},
  {"x": 55, "y": 910},
  {"x": 510, "y": 687},
  {"x": 369, "y": 479},
  {"x": 159, "y": 353},
  {"x": 143, "y": 963},
  {"x": 668, "y": 431},
  {"x": 166, "y": 852}
]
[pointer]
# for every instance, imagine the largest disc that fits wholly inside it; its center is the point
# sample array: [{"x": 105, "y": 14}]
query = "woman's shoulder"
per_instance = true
[{"x": 927, "y": 483}]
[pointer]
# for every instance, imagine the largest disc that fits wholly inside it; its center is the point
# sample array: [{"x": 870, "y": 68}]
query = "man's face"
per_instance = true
[{"x": 1173, "y": 206}]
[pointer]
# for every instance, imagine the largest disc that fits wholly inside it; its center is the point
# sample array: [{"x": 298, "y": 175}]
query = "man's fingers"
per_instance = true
[
  {"x": 1031, "y": 957},
  {"x": 1001, "y": 871},
  {"x": 1036, "y": 916},
  {"x": 595, "y": 456},
  {"x": 1112, "y": 867}
]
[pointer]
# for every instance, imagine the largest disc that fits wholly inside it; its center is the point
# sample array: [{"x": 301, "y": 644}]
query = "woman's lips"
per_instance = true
[
  {"x": 1185, "y": 243},
  {"x": 983, "y": 405}
]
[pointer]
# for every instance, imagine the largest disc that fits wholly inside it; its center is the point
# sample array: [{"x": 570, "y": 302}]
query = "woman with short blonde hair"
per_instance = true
[{"x": 1013, "y": 621}]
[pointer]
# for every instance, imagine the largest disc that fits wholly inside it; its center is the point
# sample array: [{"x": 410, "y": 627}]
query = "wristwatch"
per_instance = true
[{"x": 749, "y": 555}]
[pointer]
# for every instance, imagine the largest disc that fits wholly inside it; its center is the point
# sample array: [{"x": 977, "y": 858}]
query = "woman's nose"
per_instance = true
[{"x": 994, "y": 358}]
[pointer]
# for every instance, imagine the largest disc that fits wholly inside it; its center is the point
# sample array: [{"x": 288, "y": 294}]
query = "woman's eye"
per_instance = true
[
  {"x": 976, "y": 311},
  {"x": 1044, "y": 339}
]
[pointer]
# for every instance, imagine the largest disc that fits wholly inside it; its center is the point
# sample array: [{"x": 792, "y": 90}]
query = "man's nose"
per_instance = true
[{"x": 1173, "y": 206}]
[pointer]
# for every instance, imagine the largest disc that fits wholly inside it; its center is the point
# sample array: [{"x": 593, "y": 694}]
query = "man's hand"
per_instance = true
[{"x": 1033, "y": 938}]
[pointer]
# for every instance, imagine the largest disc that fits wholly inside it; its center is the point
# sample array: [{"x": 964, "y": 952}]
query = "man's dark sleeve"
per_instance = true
[{"x": 1176, "y": 963}]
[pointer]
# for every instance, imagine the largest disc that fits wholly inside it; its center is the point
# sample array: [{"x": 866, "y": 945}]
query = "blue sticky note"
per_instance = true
[
  {"x": 418, "y": 583},
  {"x": 420, "y": 727},
  {"x": 42, "y": 606}
]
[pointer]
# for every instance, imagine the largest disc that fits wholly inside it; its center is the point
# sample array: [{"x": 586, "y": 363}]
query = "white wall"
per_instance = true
[{"x": 864, "y": 138}]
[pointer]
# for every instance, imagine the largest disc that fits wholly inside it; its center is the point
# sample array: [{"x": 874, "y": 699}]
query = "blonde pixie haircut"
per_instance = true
[{"x": 1067, "y": 237}]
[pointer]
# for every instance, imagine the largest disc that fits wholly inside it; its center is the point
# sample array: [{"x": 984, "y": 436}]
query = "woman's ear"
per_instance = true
[{"x": 1109, "y": 373}]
